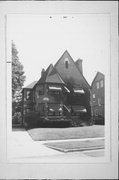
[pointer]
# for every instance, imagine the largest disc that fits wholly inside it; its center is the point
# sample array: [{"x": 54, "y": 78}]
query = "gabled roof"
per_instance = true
[
  {"x": 30, "y": 86},
  {"x": 66, "y": 54},
  {"x": 54, "y": 77},
  {"x": 50, "y": 76},
  {"x": 97, "y": 74},
  {"x": 45, "y": 74}
]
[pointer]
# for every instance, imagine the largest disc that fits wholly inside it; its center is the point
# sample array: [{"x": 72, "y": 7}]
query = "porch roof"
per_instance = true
[
  {"x": 79, "y": 108},
  {"x": 80, "y": 91},
  {"x": 55, "y": 88}
]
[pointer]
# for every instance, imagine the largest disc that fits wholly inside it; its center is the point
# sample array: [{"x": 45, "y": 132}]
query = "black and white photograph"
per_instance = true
[{"x": 58, "y": 87}]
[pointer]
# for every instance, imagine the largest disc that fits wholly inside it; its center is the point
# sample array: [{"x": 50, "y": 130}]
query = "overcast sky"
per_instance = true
[{"x": 42, "y": 39}]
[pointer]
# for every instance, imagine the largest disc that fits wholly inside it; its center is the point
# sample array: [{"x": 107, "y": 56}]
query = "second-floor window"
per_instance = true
[
  {"x": 41, "y": 89},
  {"x": 66, "y": 64},
  {"x": 101, "y": 83},
  {"x": 99, "y": 101},
  {"x": 28, "y": 95},
  {"x": 97, "y": 84}
]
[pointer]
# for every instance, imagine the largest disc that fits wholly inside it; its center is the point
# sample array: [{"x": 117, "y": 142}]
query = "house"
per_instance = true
[
  {"x": 27, "y": 99},
  {"x": 62, "y": 91},
  {"x": 98, "y": 97}
]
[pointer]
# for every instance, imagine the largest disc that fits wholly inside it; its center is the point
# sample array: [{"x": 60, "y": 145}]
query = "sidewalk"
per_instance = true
[{"x": 21, "y": 148}]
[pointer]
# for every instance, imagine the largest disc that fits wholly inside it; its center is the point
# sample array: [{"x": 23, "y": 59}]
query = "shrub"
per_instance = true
[{"x": 17, "y": 118}]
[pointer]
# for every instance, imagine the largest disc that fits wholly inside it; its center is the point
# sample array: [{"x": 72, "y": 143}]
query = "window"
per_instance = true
[
  {"x": 53, "y": 92},
  {"x": 28, "y": 95},
  {"x": 99, "y": 102},
  {"x": 97, "y": 85},
  {"x": 101, "y": 83},
  {"x": 40, "y": 90},
  {"x": 66, "y": 63},
  {"x": 93, "y": 95},
  {"x": 96, "y": 112}
]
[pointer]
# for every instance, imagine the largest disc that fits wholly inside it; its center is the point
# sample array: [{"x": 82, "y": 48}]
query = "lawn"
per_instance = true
[
  {"x": 70, "y": 146},
  {"x": 42, "y": 134}
]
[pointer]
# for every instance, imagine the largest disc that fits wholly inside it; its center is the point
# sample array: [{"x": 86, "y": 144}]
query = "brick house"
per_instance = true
[
  {"x": 62, "y": 91},
  {"x": 98, "y": 95}
]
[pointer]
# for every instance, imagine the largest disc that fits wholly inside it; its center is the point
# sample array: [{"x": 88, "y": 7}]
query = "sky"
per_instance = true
[{"x": 42, "y": 39}]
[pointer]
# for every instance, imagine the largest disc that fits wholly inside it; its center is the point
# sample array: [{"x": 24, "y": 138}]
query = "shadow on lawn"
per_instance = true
[
  {"x": 49, "y": 124},
  {"x": 18, "y": 129}
]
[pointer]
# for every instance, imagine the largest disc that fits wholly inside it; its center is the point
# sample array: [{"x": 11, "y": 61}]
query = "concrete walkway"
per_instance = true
[{"x": 21, "y": 148}]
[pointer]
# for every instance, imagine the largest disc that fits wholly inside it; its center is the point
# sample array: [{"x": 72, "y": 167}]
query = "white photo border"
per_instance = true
[{"x": 62, "y": 170}]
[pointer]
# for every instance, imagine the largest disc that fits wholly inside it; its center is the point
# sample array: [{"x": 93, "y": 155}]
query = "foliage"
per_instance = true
[
  {"x": 16, "y": 119},
  {"x": 18, "y": 79}
]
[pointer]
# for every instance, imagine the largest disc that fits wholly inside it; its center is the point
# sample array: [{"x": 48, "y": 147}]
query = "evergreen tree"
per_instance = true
[{"x": 18, "y": 79}]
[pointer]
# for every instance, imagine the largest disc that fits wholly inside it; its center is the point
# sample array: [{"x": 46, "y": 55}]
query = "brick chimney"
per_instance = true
[
  {"x": 79, "y": 65},
  {"x": 42, "y": 72}
]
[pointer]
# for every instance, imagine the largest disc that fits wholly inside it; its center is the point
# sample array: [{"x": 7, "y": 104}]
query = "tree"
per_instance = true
[{"x": 18, "y": 79}]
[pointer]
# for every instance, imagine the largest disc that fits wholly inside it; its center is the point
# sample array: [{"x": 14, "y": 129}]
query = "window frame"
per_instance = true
[
  {"x": 28, "y": 98},
  {"x": 101, "y": 83},
  {"x": 97, "y": 84}
]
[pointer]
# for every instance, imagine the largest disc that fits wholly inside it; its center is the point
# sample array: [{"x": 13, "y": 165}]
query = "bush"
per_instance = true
[
  {"x": 17, "y": 118},
  {"x": 99, "y": 120},
  {"x": 34, "y": 120}
]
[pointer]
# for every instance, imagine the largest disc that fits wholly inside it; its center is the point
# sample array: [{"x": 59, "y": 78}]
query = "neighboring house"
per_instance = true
[
  {"x": 62, "y": 90},
  {"x": 98, "y": 97}
]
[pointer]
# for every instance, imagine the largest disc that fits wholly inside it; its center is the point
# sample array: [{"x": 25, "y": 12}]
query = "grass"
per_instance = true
[
  {"x": 42, "y": 134},
  {"x": 70, "y": 146}
]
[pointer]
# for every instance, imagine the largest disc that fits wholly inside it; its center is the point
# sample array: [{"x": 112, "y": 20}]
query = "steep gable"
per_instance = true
[
  {"x": 43, "y": 79},
  {"x": 54, "y": 77},
  {"x": 97, "y": 77},
  {"x": 69, "y": 72},
  {"x": 49, "y": 77}
]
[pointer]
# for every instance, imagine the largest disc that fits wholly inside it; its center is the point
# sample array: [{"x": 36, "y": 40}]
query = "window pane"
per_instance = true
[
  {"x": 28, "y": 95},
  {"x": 66, "y": 64},
  {"x": 40, "y": 90},
  {"x": 97, "y": 85},
  {"x": 101, "y": 83},
  {"x": 93, "y": 95}
]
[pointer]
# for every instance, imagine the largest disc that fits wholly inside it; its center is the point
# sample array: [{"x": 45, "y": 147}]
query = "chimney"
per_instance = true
[
  {"x": 79, "y": 65},
  {"x": 42, "y": 72}
]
